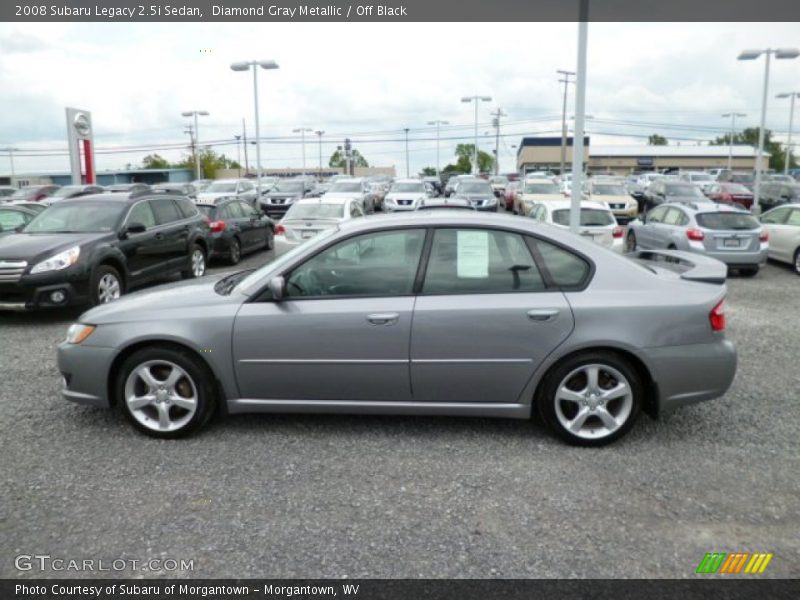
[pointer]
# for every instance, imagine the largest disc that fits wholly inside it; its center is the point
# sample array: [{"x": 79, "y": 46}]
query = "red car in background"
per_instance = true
[
  {"x": 730, "y": 193},
  {"x": 33, "y": 193},
  {"x": 509, "y": 192}
]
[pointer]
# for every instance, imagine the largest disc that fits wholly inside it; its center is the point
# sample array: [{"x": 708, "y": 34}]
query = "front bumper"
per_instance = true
[
  {"x": 284, "y": 244},
  {"x": 33, "y": 291},
  {"x": 689, "y": 374},
  {"x": 85, "y": 371},
  {"x": 275, "y": 211}
]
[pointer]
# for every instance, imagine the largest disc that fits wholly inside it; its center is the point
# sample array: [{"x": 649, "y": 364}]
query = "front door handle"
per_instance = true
[
  {"x": 543, "y": 314},
  {"x": 383, "y": 318}
]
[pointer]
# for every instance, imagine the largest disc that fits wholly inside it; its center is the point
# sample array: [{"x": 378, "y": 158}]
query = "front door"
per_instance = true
[{"x": 342, "y": 330}]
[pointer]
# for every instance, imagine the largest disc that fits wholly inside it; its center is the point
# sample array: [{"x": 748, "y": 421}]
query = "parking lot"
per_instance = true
[{"x": 336, "y": 496}]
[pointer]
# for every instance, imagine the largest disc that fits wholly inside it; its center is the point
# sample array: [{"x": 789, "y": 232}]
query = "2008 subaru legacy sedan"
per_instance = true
[{"x": 430, "y": 313}]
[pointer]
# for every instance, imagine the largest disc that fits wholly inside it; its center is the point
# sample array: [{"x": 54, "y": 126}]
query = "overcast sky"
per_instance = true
[{"x": 371, "y": 80}]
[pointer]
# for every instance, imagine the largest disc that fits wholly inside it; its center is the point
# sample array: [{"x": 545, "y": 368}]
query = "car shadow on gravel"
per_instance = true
[{"x": 41, "y": 317}]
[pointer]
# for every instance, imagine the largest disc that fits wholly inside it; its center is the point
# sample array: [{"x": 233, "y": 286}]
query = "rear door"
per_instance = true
[
  {"x": 484, "y": 318},
  {"x": 780, "y": 233},
  {"x": 144, "y": 252},
  {"x": 172, "y": 231},
  {"x": 646, "y": 234}
]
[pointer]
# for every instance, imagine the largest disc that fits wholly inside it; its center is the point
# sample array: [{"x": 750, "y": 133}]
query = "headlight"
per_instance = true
[
  {"x": 78, "y": 332},
  {"x": 62, "y": 260},
  {"x": 389, "y": 200}
]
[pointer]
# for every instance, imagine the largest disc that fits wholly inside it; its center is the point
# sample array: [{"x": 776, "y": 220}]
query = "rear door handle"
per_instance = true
[
  {"x": 543, "y": 314},
  {"x": 159, "y": 236},
  {"x": 383, "y": 318}
]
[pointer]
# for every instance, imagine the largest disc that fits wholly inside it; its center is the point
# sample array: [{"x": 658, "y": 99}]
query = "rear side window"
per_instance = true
[
  {"x": 725, "y": 220},
  {"x": 186, "y": 207},
  {"x": 794, "y": 218},
  {"x": 466, "y": 261},
  {"x": 166, "y": 211},
  {"x": 567, "y": 270}
]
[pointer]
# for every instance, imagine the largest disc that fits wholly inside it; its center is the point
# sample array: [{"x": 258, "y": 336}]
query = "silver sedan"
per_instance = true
[{"x": 427, "y": 313}]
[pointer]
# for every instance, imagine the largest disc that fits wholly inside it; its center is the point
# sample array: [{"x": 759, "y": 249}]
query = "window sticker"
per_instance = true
[{"x": 473, "y": 254}]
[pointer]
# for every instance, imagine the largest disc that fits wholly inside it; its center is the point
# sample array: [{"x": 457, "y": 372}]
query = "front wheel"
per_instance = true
[
  {"x": 591, "y": 399},
  {"x": 630, "y": 242},
  {"x": 269, "y": 242},
  {"x": 106, "y": 285},
  {"x": 235, "y": 254},
  {"x": 165, "y": 392},
  {"x": 197, "y": 263}
]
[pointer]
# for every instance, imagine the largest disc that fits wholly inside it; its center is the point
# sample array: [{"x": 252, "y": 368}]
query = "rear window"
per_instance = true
[
  {"x": 566, "y": 269},
  {"x": 206, "y": 211},
  {"x": 590, "y": 217},
  {"x": 726, "y": 220}
]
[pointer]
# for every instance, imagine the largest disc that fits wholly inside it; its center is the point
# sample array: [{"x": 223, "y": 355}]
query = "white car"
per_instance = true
[
  {"x": 533, "y": 191},
  {"x": 701, "y": 179},
  {"x": 309, "y": 216},
  {"x": 597, "y": 221},
  {"x": 783, "y": 227},
  {"x": 243, "y": 189},
  {"x": 405, "y": 194},
  {"x": 612, "y": 195},
  {"x": 645, "y": 179},
  {"x": 355, "y": 188}
]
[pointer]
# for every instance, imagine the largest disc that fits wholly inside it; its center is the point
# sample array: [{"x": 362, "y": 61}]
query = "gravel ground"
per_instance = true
[{"x": 336, "y": 496}]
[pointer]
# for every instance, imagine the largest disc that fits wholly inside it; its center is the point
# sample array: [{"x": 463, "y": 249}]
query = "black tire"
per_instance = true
[
  {"x": 546, "y": 401},
  {"x": 630, "y": 242},
  {"x": 100, "y": 276},
  {"x": 200, "y": 377},
  {"x": 749, "y": 272},
  {"x": 235, "y": 251},
  {"x": 269, "y": 244},
  {"x": 189, "y": 272},
  {"x": 797, "y": 261}
]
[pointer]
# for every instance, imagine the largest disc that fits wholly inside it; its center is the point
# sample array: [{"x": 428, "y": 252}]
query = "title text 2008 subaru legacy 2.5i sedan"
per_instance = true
[{"x": 431, "y": 313}]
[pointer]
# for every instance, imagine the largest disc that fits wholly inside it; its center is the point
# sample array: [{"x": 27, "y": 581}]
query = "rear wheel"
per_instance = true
[
  {"x": 235, "y": 252},
  {"x": 797, "y": 261},
  {"x": 165, "y": 392},
  {"x": 106, "y": 285},
  {"x": 197, "y": 263},
  {"x": 269, "y": 243},
  {"x": 591, "y": 399},
  {"x": 630, "y": 242},
  {"x": 749, "y": 272}
]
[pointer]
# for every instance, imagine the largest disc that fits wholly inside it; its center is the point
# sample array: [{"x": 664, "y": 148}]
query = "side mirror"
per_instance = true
[
  {"x": 276, "y": 287},
  {"x": 132, "y": 228}
]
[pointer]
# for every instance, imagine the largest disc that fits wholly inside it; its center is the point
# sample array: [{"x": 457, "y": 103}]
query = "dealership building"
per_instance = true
[{"x": 543, "y": 153}]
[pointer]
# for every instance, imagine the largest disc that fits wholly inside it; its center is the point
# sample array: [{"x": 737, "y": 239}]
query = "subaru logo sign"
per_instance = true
[{"x": 81, "y": 124}]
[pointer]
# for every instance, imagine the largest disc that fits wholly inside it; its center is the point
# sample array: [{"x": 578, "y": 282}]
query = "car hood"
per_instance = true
[
  {"x": 473, "y": 197},
  {"x": 613, "y": 199},
  {"x": 33, "y": 247},
  {"x": 409, "y": 196},
  {"x": 161, "y": 301},
  {"x": 211, "y": 196},
  {"x": 542, "y": 197}
]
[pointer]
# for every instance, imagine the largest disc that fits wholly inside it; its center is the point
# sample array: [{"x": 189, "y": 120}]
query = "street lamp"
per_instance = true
[
  {"x": 791, "y": 95},
  {"x": 320, "y": 133},
  {"x": 244, "y": 66},
  {"x": 302, "y": 132},
  {"x": 780, "y": 53},
  {"x": 733, "y": 116},
  {"x": 195, "y": 113},
  {"x": 566, "y": 81},
  {"x": 438, "y": 124},
  {"x": 476, "y": 99}
]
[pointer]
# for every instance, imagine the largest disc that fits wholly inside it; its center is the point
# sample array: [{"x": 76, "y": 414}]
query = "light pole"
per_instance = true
[
  {"x": 320, "y": 133},
  {"x": 566, "y": 81},
  {"x": 476, "y": 99},
  {"x": 780, "y": 53},
  {"x": 733, "y": 116},
  {"x": 408, "y": 171},
  {"x": 238, "y": 153},
  {"x": 580, "y": 114},
  {"x": 302, "y": 132},
  {"x": 11, "y": 160},
  {"x": 195, "y": 114},
  {"x": 791, "y": 95},
  {"x": 496, "y": 122},
  {"x": 438, "y": 124},
  {"x": 244, "y": 66}
]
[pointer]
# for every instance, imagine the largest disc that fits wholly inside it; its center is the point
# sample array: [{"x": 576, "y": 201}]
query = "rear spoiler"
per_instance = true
[{"x": 690, "y": 266}]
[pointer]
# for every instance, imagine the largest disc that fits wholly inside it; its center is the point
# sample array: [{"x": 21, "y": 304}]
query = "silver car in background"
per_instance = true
[
  {"x": 405, "y": 194},
  {"x": 597, "y": 221},
  {"x": 429, "y": 313},
  {"x": 724, "y": 232},
  {"x": 309, "y": 216},
  {"x": 783, "y": 226}
]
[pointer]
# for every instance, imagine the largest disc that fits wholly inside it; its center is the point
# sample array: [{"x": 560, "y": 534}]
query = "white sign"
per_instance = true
[{"x": 473, "y": 255}]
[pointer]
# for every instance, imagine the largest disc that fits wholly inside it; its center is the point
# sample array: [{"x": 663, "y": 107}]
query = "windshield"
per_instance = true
[
  {"x": 66, "y": 191},
  {"x": 292, "y": 187},
  {"x": 590, "y": 217},
  {"x": 415, "y": 188},
  {"x": 315, "y": 211},
  {"x": 474, "y": 187},
  {"x": 347, "y": 187},
  {"x": 221, "y": 188},
  {"x": 609, "y": 190},
  {"x": 541, "y": 188},
  {"x": 83, "y": 217},
  {"x": 683, "y": 190},
  {"x": 727, "y": 220},
  {"x": 736, "y": 189}
]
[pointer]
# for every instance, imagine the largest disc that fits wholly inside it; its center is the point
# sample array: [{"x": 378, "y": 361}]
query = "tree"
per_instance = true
[
  {"x": 465, "y": 153},
  {"x": 428, "y": 171},
  {"x": 749, "y": 137},
  {"x": 155, "y": 161},
  {"x": 210, "y": 163},
  {"x": 338, "y": 159},
  {"x": 657, "y": 140}
]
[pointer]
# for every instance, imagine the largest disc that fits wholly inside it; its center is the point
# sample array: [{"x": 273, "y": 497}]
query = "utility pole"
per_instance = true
[
  {"x": 408, "y": 172},
  {"x": 438, "y": 124},
  {"x": 190, "y": 131},
  {"x": 347, "y": 148},
  {"x": 496, "y": 123},
  {"x": 11, "y": 160},
  {"x": 733, "y": 116},
  {"x": 238, "y": 153},
  {"x": 302, "y": 132},
  {"x": 320, "y": 133},
  {"x": 580, "y": 115},
  {"x": 566, "y": 81},
  {"x": 244, "y": 143}
]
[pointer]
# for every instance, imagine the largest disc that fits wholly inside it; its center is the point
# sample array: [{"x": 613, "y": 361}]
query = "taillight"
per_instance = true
[
  {"x": 217, "y": 226},
  {"x": 763, "y": 236},
  {"x": 280, "y": 230},
  {"x": 695, "y": 234},
  {"x": 717, "y": 317},
  {"x": 617, "y": 232},
  {"x": 726, "y": 198}
]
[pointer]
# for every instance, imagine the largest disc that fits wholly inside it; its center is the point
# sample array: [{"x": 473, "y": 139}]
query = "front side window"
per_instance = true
[
  {"x": 373, "y": 264},
  {"x": 468, "y": 261},
  {"x": 657, "y": 214},
  {"x": 142, "y": 213}
]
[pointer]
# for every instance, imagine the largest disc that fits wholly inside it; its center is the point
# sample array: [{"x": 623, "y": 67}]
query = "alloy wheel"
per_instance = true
[
  {"x": 108, "y": 289},
  {"x": 198, "y": 263},
  {"x": 161, "y": 395}
]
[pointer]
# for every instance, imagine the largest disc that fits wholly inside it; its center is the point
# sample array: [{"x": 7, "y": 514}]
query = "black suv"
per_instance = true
[
  {"x": 93, "y": 249},
  {"x": 774, "y": 194}
]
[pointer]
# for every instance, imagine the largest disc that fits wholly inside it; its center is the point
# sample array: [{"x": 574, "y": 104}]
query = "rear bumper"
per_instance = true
[
  {"x": 689, "y": 374},
  {"x": 741, "y": 259},
  {"x": 283, "y": 244}
]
